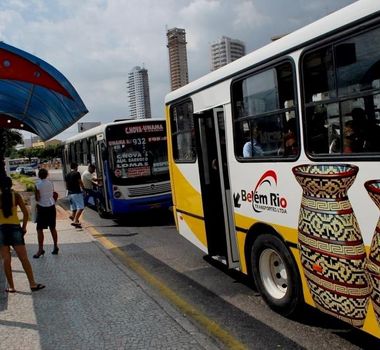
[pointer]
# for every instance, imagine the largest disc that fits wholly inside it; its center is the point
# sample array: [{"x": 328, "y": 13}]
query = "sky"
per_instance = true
[{"x": 96, "y": 43}]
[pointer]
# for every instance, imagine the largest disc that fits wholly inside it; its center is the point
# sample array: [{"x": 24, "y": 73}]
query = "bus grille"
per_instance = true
[{"x": 146, "y": 190}]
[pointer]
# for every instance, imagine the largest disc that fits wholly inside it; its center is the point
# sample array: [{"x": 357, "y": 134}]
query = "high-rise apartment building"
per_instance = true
[
  {"x": 225, "y": 50},
  {"x": 179, "y": 74},
  {"x": 138, "y": 93}
]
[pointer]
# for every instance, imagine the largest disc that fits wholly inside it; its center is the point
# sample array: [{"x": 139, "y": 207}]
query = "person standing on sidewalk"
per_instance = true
[
  {"x": 46, "y": 212},
  {"x": 74, "y": 186},
  {"x": 11, "y": 234}
]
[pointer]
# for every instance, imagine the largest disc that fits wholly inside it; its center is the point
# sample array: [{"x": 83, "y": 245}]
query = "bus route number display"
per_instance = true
[{"x": 130, "y": 157}]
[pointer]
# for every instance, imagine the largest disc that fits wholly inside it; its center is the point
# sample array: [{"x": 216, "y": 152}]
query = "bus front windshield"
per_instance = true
[{"x": 138, "y": 153}]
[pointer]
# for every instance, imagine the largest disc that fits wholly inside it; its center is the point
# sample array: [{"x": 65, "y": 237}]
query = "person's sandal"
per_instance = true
[
  {"x": 37, "y": 255},
  {"x": 37, "y": 287}
]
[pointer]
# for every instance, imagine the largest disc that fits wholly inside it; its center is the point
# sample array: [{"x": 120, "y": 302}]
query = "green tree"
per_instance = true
[
  {"x": 9, "y": 138},
  {"x": 33, "y": 152},
  {"x": 53, "y": 151},
  {"x": 47, "y": 153}
]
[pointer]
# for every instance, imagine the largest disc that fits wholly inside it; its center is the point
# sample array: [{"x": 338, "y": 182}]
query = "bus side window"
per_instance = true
[
  {"x": 264, "y": 107},
  {"x": 183, "y": 132},
  {"x": 341, "y": 95}
]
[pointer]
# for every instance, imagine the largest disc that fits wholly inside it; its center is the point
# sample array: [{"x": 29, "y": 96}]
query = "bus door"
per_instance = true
[
  {"x": 100, "y": 156},
  {"x": 66, "y": 160},
  {"x": 215, "y": 186}
]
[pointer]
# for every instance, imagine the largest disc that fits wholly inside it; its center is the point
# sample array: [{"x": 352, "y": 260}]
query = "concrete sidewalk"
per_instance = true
[{"x": 91, "y": 301}]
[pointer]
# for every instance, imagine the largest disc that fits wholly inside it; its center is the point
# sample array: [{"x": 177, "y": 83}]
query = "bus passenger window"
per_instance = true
[
  {"x": 342, "y": 79},
  {"x": 265, "y": 114},
  {"x": 183, "y": 132}
]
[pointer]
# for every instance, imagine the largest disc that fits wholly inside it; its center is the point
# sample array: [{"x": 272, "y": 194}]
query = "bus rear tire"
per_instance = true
[{"x": 276, "y": 275}]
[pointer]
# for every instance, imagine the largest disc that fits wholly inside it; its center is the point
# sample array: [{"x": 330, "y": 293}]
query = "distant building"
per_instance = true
[
  {"x": 179, "y": 74},
  {"x": 138, "y": 93},
  {"x": 44, "y": 144},
  {"x": 28, "y": 141},
  {"x": 225, "y": 50},
  {"x": 36, "y": 142},
  {"x": 276, "y": 37},
  {"x": 53, "y": 142}
]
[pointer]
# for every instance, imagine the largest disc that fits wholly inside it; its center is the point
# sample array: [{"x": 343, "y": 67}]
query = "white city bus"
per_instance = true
[
  {"x": 131, "y": 165},
  {"x": 304, "y": 109}
]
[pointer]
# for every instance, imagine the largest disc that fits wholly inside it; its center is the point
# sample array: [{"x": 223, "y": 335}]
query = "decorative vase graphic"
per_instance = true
[
  {"x": 373, "y": 263},
  {"x": 331, "y": 246}
]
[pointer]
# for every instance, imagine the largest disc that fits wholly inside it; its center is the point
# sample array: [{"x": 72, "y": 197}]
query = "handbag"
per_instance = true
[{"x": 55, "y": 196}]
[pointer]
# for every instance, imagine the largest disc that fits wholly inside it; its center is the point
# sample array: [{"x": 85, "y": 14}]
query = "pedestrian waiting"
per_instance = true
[
  {"x": 12, "y": 234},
  {"x": 46, "y": 212}
]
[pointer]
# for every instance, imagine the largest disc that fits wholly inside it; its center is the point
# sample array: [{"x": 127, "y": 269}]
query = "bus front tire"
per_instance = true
[
  {"x": 100, "y": 208},
  {"x": 276, "y": 275}
]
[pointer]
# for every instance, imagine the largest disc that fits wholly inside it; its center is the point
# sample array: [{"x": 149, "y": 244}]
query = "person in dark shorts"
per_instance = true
[
  {"x": 12, "y": 234},
  {"x": 75, "y": 188},
  {"x": 46, "y": 212}
]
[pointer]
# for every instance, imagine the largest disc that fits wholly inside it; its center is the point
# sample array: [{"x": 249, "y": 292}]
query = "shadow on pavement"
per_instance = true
[
  {"x": 211, "y": 304},
  {"x": 225, "y": 313},
  {"x": 151, "y": 218},
  {"x": 141, "y": 219}
]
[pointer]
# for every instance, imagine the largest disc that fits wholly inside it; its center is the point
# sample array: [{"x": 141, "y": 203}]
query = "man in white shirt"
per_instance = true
[
  {"x": 46, "y": 212},
  {"x": 252, "y": 147},
  {"x": 89, "y": 181}
]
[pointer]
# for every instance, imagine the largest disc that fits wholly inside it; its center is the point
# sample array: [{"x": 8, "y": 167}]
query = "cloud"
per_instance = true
[{"x": 247, "y": 17}]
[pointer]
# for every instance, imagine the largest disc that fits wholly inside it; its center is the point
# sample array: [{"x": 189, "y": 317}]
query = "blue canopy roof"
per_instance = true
[{"x": 35, "y": 96}]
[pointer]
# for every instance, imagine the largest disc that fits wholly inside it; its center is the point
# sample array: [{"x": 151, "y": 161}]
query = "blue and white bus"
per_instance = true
[
  {"x": 131, "y": 164},
  {"x": 15, "y": 163}
]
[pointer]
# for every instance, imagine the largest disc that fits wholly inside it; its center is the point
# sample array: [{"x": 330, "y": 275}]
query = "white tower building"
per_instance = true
[
  {"x": 225, "y": 50},
  {"x": 138, "y": 93}
]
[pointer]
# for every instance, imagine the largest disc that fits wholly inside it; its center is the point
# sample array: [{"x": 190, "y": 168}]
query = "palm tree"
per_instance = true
[{"x": 8, "y": 139}]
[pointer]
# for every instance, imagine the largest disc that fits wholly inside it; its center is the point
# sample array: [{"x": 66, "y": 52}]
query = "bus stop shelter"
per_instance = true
[{"x": 34, "y": 96}]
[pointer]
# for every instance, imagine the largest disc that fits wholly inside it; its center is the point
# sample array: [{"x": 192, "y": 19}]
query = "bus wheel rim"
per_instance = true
[{"x": 273, "y": 273}]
